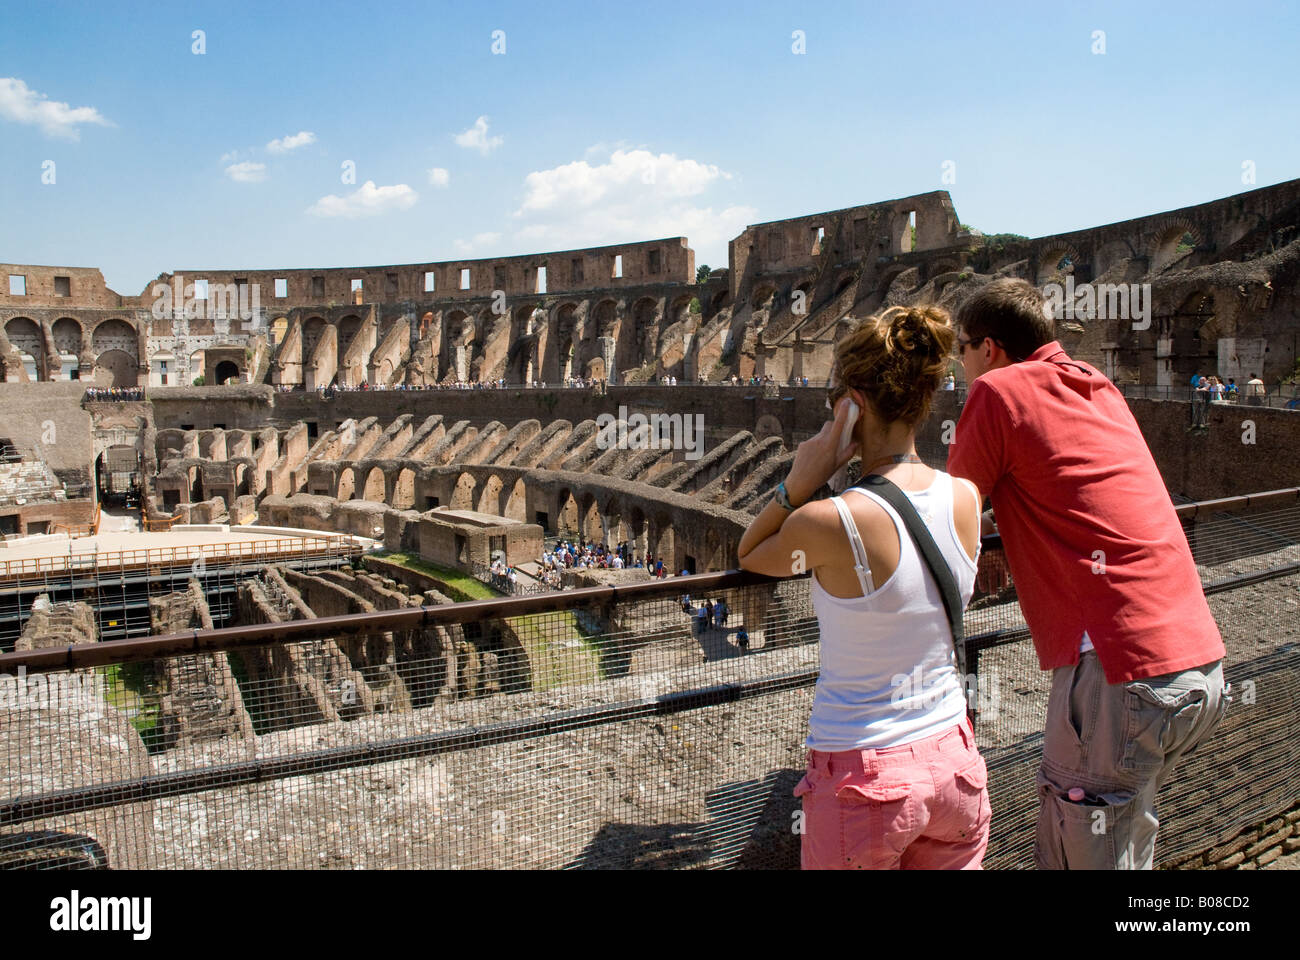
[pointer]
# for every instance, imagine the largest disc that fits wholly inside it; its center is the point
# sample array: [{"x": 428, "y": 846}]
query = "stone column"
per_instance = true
[{"x": 607, "y": 356}]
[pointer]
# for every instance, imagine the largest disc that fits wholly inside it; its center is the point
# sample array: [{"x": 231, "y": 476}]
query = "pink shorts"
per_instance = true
[{"x": 919, "y": 806}]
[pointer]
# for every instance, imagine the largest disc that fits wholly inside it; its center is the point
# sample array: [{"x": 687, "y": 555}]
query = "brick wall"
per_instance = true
[{"x": 1251, "y": 847}]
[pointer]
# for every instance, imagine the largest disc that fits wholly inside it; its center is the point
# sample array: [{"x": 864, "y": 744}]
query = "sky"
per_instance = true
[{"x": 347, "y": 134}]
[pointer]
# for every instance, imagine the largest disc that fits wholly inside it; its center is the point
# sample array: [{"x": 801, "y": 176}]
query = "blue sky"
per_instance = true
[{"x": 609, "y": 122}]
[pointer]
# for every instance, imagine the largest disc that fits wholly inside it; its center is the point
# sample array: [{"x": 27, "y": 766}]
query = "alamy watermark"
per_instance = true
[
  {"x": 1098, "y": 301},
  {"x": 201, "y": 300},
  {"x": 657, "y": 431},
  {"x": 40, "y": 692}
]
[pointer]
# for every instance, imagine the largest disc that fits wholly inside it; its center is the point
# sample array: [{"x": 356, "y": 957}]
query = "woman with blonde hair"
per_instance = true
[{"x": 894, "y": 779}]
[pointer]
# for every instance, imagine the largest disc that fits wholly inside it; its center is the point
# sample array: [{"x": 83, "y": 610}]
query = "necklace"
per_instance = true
[{"x": 896, "y": 458}]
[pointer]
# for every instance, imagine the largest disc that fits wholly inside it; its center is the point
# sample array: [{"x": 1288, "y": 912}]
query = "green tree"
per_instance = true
[{"x": 702, "y": 273}]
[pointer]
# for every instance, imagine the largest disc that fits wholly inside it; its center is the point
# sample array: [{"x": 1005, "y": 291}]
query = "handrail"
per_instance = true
[
  {"x": 422, "y": 617},
  {"x": 278, "y": 548},
  {"x": 75, "y": 656}
]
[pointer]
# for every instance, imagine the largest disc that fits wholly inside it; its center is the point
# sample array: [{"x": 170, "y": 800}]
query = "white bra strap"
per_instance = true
[{"x": 855, "y": 541}]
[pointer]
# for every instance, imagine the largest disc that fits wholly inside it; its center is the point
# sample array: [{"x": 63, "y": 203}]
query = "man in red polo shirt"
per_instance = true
[{"x": 1104, "y": 575}]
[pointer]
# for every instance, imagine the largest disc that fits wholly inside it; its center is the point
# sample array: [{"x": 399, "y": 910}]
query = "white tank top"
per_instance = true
[{"x": 888, "y": 668}]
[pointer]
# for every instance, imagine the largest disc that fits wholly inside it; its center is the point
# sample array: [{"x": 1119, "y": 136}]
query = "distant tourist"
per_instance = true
[
  {"x": 1104, "y": 575},
  {"x": 950, "y": 382},
  {"x": 1255, "y": 391},
  {"x": 720, "y": 611},
  {"x": 894, "y": 779},
  {"x": 1201, "y": 402},
  {"x": 708, "y": 609},
  {"x": 742, "y": 640}
]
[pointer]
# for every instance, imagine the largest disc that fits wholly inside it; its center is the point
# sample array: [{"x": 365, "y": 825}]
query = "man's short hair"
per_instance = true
[{"x": 1012, "y": 312}]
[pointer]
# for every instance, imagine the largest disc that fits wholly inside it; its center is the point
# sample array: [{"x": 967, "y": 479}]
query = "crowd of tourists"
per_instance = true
[
  {"x": 584, "y": 555},
  {"x": 111, "y": 394}
]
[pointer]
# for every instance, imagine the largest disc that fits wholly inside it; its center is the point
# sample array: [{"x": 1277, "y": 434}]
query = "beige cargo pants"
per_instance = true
[{"x": 1117, "y": 743}]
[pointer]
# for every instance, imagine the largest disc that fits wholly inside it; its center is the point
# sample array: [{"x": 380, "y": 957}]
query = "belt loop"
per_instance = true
[
  {"x": 967, "y": 732},
  {"x": 868, "y": 758}
]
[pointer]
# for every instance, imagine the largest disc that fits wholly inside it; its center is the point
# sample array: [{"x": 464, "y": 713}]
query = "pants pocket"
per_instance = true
[
  {"x": 876, "y": 823},
  {"x": 1159, "y": 724},
  {"x": 1110, "y": 831},
  {"x": 974, "y": 812}
]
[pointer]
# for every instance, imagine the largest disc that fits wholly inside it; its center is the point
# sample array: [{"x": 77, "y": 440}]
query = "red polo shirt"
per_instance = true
[{"x": 1090, "y": 534}]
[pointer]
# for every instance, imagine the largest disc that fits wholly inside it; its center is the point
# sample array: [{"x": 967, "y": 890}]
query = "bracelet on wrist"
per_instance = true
[{"x": 783, "y": 498}]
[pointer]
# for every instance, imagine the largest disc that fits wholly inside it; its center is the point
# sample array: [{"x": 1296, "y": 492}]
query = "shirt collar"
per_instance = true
[
  {"x": 1049, "y": 351},
  {"x": 1054, "y": 353}
]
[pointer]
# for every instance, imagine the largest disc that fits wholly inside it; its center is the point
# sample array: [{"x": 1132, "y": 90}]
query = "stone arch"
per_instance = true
[
  {"x": 1174, "y": 240},
  {"x": 606, "y": 318},
  {"x": 26, "y": 337},
  {"x": 117, "y": 368},
  {"x": 279, "y": 327},
  {"x": 462, "y": 495},
  {"x": 763, "y": 297},
  {"x": 566, "y": 339},
  {"x": 1055, "y": 262},
  {"x": 67, "y": 333},
  {"x": 888, "y": 277},
  {"x": 663, "y": 543},
  {"x": 680, "y": 310},
  {"x": 376, "y": 488},
  {"x": 347, "y": 486},
  {"x": 404, "y": 489},
  {"x": 843, "y": 283},
  {"x": 195, "y": 485},
  {"x": 348, "y": 328},
  {"x": 593, "y": 525},
  {"x": 226, "y": 370},
  {"x": 636, "y": 532},
  {"x": 515, "y": 505},
  {"x": 313, "y": 328},
  {"x": 1189, "y": 337},
  {"x": 566, "y": 514},
  {"x": 489, "y": 495},
  {"x": 243, "y": 476},
  {"x": 594, "y": 369},
  {"x": 456, "y": 350},
  {"x": 712, "y": 558}
]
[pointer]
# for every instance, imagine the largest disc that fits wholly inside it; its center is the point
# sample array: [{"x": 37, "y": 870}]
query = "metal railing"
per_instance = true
[
  {"x": 15, "y": 572},
  {"x": 595, "y": 727}
]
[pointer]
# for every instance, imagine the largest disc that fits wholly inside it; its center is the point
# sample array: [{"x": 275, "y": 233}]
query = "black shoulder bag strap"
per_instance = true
[{"x": 939, "y": 570}]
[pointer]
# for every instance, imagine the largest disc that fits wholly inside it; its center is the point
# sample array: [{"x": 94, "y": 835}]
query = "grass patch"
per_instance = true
[
  {"x": 131, "y": 688},
  {"x": 558, "y": 649},
  {"x": 458, "y": 585}
]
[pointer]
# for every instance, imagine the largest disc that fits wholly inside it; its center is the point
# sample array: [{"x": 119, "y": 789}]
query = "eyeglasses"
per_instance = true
[{"x": 963, "y": 344}]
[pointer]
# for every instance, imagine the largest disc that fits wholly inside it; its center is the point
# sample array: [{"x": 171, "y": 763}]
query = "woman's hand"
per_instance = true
[{"x": 816, "y": 460}]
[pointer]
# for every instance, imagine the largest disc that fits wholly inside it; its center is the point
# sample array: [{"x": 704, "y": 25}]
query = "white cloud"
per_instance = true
[
  {"x": 476, "y": 138},
  {"x": 247, "y": 172},
  {"x": 439, "y": 177},
  {"x": 285, "y": 144},
  {"x": 56, "y": 119},
  {"x": 367, "y": 201},
  {"x": 479, "y": 241},
  {"x": 636, "y": 195},
  {"x": 230, "y": 157}
]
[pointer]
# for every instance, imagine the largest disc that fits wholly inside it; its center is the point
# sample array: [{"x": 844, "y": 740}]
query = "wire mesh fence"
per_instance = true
[{"x": 596, "y": 728}]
